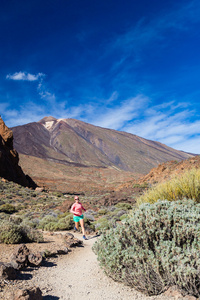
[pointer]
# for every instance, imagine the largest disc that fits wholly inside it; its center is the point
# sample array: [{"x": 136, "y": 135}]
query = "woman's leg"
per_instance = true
[
  {"x": 82, "y": 226},
  {"x": 77, "y": 225}
]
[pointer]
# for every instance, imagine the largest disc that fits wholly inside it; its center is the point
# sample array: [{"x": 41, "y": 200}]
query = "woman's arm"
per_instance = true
[
  {"x": 72, "y": 209},
  {"x": 83, "y": 207}
]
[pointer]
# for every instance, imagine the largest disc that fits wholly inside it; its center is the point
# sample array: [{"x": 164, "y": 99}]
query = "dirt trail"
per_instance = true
[{"x": 78, "y": 276}]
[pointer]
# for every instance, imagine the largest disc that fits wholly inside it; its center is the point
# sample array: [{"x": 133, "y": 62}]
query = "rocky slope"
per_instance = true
[
  {"x": 9, "y": 168},
  {"x": 164, "y": 171},
  {"x": 75, "y": 143},
  {"x": 169, "y": 169}
]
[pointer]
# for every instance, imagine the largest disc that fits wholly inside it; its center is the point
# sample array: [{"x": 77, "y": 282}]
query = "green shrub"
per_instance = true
[
  {"x": 30, "y": 235},
  {"x": 123, "y": 217},
  {"x": 102, "y": 211},
  {"x": 54, "y": 224},
  {"x": 11, "y": 233},
  {"x": 32, "y": 223},
  {"x": 7, "y": 208},
  {"x": 46, "y": 220},
  {"x": 62, "y": 215},
  {"x": 123, "y": 205},
  {"x": 102, "y": 224},
  {"x": 156, "y": 247},
  {"x": 180, "y": 187},
  {"x": 51, "y": 226}
]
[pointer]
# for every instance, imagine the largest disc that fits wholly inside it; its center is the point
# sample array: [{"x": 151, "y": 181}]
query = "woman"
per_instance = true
[{"x": 76, "y": 210}]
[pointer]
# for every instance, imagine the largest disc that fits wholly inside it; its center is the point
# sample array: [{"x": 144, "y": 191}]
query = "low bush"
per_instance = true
[
  {"x": 50, "y": 223},
  {"x": 30, "y": 235},
  {"x": 125, "y": 206},
  {"x": 11, "y": 233},
  {"x": 102, "y": 211},
  {"x": 7, "y": 208},
  {"x": 177, "y": 188},
  {"x": 102, "y": 224},
  {"x": 46, "y": 220},
  {"x": 156, "y": 247}
]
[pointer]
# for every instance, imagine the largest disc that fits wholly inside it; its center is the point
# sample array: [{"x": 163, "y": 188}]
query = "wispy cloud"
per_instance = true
[
  {"x": 24, "y": 76},
  {"x": 170, "y": 126},
  {"x": 117, "y": 116},
  {"x": 165, "y": 124},
  {"x": 168, "y": 122},
  {"x": 153, "y": 31}
]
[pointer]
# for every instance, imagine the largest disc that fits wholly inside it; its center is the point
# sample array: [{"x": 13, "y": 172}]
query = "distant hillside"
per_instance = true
[
  {"x": 169, "y": 169},
  {"x": 75, "y": 143}
]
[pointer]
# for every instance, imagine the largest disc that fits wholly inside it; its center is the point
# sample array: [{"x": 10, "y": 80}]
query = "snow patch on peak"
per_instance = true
[
  {"x": 62, "y": 120},
  {"x": 48, "y": 125}
]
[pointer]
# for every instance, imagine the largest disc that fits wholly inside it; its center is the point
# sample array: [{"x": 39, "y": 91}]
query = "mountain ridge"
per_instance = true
[
  {"x": 77, "y": 143},
  {"x": 71, "y": 155}
]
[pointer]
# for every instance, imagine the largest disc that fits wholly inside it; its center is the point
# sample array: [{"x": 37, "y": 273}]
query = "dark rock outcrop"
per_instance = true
[
  {"x": 33, "y": 293},
  {"x": 9, "y": 159},
  {"x": 7, "y": 271}
]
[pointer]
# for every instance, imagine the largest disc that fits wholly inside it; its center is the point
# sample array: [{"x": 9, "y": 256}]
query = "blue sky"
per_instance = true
[{"x": 127, "y": 65}]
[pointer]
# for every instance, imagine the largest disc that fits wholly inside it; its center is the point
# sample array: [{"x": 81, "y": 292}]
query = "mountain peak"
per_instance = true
[
  {"x": 48, "y": 122},
  {"x": 47, "y": 119}
]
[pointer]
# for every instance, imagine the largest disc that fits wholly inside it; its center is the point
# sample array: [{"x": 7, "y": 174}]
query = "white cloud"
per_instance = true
[
  {"x": 190, "y": 145},
  {"x": 169, "y": 123},
  {"x": 154, "y": 30},
  {"x": 170, "y": 126},
  {"x": 24, "y": 76},
  {"x": 115, "y": 117}
]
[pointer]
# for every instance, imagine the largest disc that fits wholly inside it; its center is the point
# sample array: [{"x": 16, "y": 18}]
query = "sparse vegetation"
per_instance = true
[
  {"x": 8, "y": 208},
  {"x": 11, "y": 233},
  {"x": 180, "y": 187},
  {"x": 108, "y": 217},
  {"x": 156, "y": 247}
]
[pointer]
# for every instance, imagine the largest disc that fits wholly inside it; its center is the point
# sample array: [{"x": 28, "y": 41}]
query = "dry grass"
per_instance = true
[{"x": 186, "y": 186}]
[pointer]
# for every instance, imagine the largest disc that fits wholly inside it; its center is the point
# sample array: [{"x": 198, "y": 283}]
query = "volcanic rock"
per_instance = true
[{"x": 9, "y": 159}]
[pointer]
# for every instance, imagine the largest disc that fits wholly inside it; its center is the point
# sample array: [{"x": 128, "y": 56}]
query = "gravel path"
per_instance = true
[{"x": 77, "y": 276}]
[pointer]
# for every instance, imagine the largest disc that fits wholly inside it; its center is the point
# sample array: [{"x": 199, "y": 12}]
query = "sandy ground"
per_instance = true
[{"x": 77, "y": 276}]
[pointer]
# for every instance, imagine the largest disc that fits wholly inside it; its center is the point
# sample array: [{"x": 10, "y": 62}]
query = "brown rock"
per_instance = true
[
  {"x": 173, "y": 291},
  {"x": 40, "y": 189},
  {"x": 7, "y": 271},
  {"x": 71, "y": 241},
  {"x": 28, "y": 294},
  {"x": 19, "y": 259},
  {"x": 23, "y": 249},
  {"x": 35, "y": 259},
  {"x": 9, "y": 159},
  {"x": 63, "y": 250}
]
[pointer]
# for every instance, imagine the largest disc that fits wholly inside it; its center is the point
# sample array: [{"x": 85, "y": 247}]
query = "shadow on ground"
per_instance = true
[{"x": 48, "y": 297}]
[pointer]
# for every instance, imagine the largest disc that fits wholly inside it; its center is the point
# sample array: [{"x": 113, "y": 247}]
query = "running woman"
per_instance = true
[{"x": 76, "y": 210}]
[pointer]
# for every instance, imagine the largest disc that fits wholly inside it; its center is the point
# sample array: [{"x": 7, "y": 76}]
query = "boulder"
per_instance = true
[
  {"x": 7, "y": 271},
  {"x": 22, "y": 257},
  {"x": 9, "y": 159},
  {"x": 28, "y": 294},
  {"x": 19, "y": 259},
  {"x": 71, "y": 241},
  {"x": 35, "y": 259},
  {"x": 174, "y": 292}
]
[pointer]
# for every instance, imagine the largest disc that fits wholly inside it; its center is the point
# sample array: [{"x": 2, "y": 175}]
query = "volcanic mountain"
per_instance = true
[{"x": 77, "y": 144}]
